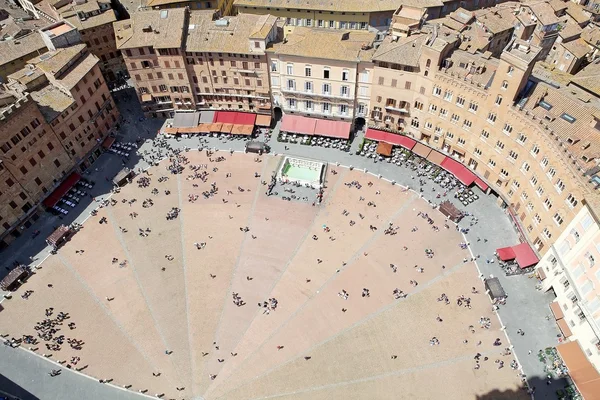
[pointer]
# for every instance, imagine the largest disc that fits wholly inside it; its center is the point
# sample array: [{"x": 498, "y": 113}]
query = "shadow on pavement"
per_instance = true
[
  {"x": 10, "y": 390},
  {"x": 540, "y": 388},
  {"x": 30, "y": 247}
]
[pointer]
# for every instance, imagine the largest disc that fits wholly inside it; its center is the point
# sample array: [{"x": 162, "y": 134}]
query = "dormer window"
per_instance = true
[
  {"x": 545, "y": 105},
  {"x": 569, "y": 118}
]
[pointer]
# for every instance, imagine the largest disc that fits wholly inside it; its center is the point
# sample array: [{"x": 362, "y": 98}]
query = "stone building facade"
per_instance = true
[
  {"x": 179, "y": 69},
  {"x": 55, "y": 113},
  {"x": 324, "y": 74}
]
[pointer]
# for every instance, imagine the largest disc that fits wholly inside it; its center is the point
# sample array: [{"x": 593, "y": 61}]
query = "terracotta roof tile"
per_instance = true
[
  {"x": 231, "y": 36},
  {"x": 336, "y": 5},
  {"x": 165, "y": 29},
  {"x": 10, "y": 50},
  {"x": 404, "y": 51},
  {"x": 325, "y": 44},
  {"x": 577, "y": 47},
  {"x": 589, "y": 78}
]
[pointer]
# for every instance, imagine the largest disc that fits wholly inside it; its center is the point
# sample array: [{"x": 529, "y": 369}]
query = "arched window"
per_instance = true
[{"x": 428, "y": 63}]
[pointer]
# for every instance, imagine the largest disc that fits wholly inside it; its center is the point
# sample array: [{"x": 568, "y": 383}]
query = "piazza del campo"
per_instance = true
[{"x": 284, "y": 199}]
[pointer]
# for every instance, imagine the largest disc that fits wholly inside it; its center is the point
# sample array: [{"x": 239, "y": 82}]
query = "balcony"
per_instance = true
[
  {"x": 246, "y": 71},
  {"x": 311, "y": 94},
  {"x": 392, "y": 108},
  {"x": 223, "y": 94}
]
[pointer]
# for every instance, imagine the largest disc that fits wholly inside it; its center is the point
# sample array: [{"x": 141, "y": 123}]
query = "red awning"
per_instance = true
[
  {"x": 298, "y": 124},
  {"x": 506, "y": 253},
  {"x": 334, "y": 129},
  {"x": 108, "y": 142},
  {"x": 526, "y": 257},
  {"x": 400, "y": 140},
  {"x": 482, "y": 185},
  {"x": 61, "y": 190},
  {"x": 244, "y": 118},
  {"x": 461, "y": 172},
  {"x": 225, "y": 117},
  {"x": 374, "y": 134}
]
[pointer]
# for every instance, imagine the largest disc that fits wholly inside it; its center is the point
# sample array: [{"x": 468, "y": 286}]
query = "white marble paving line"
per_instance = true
[
  {"x": 131, "y": 264},
  {"x": 257, "y": 191},
  {"x": 291, "y": 258},
  {"x": 365, "y": 319}
]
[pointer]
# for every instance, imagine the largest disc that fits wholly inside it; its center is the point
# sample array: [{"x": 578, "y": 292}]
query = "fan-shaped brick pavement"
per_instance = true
[{"x": 171, "y": 297}]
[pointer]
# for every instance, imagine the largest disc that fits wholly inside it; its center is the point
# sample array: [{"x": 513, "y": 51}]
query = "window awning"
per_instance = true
[
  {"x": 482, "y": 185},
  {"x": 436, "y": 157},
  {"x": 242, "y": 130},
  {"x": 234, "y": 117},
  {"x": 384, "y": 148},
  {"x": 461, "y": 172},
  {"x": 581, "y": 370},
  {"x": 226, "y": 128},
  {"x": 421, "y": 150},
  {"x": 526, "y": 257},
  {"x": 186, "y": 119},
  {"x": 108, "y": 142},
  {"x": 206, "y": 117},
  {"x": 224, "y": 117},
  {"x": 263, "y": 120},
  {"x": 564, "y": 328},
  {"x": 506, "y": 253},
  {"x": 334, "y": 129},
  {"x": 382, "y": 136},
  {"x": 556, "y": 310},
  {"x": 541, "y": 273},
  {"x": 298, "y": 124},
  {"x": 215, "y": 127},
  {"x": 244, "y": 118},
  {"x": 189, "y": 129},
  {"x": 169, "y": 131},
  {"x": 204, "y": 128},
  {"x": 61, "y": 190}
]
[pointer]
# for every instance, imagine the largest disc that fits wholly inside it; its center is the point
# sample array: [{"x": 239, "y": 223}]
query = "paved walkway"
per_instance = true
[{"x": 24, "y": 375}]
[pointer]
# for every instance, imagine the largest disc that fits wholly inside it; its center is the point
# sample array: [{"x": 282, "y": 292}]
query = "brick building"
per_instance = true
[
  {"x": 322, "y": 73},
  {"x": 93, "y": 20},
  {"x": 220, "y": 7},
  {"x": 182, "y": 60},
  {"x": 56, "y": 112},
  {"x": 15, "y": 53},
  {"x": 351, "y": 14}
]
